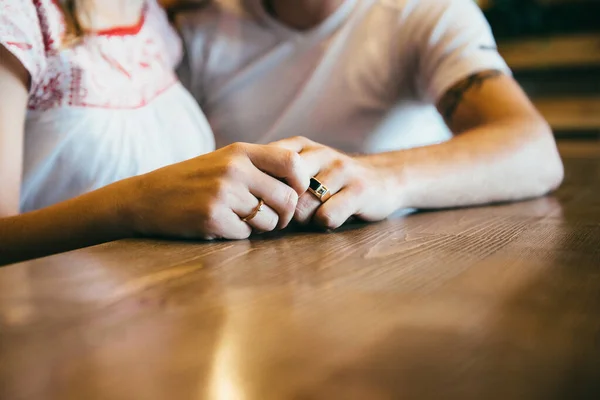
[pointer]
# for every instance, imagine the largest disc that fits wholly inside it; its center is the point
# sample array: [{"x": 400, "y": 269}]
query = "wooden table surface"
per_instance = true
[{"x": 496, "y": 302}]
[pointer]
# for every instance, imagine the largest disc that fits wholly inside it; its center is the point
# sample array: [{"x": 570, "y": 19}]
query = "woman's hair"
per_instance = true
[{"x": 74, "y": 32}]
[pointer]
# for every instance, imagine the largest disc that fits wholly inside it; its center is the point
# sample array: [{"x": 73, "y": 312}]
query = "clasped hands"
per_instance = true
[{"x": 244, "y": 188}]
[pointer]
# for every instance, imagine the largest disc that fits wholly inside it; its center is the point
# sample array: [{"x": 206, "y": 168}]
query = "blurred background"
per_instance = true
[{"x": 553, "y": 48}]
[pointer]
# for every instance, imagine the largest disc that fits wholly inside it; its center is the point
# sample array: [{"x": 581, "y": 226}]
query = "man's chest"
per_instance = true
[{"x": 335, "y": 91}]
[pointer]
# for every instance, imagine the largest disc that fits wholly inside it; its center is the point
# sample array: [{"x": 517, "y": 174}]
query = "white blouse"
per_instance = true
[{"x": 106, "y": 109}]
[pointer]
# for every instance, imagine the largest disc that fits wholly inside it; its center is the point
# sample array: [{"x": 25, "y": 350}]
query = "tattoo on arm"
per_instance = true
[{"x": 454, "y": 96}]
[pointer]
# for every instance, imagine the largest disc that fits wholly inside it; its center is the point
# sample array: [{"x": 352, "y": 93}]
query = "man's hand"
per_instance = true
[{"x": 364, "y": 186}]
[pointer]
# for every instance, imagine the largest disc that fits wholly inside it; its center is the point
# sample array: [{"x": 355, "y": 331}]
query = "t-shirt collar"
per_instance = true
[{"x": 323, "y": 29}]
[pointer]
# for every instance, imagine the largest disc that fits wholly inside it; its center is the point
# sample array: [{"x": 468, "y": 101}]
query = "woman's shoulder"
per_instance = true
[
  {"x": 30, "y": 30},
  {"x": 32, "y": 21}
]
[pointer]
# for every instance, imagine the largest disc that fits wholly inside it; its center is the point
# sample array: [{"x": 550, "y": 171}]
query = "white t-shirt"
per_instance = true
[
  {"x": 364, "y": 80},
  {"x": 104, "y": 110}
]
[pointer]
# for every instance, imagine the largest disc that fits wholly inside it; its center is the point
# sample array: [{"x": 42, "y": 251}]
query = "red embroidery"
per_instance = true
[
  {"x": 77, "y": 93},
  {"x": 22, "y": 46},
  {"x": 116, "y": 64},
  {"x": 52, "y": 94},
  {"x": 119, "y": 68},
  {"x": 44, "y": 25}
]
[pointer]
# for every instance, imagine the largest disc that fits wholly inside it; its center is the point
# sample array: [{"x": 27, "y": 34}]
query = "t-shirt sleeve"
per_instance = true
[
  {"x": 21, "y": 35},
  {"x": 454, "y": 41}
]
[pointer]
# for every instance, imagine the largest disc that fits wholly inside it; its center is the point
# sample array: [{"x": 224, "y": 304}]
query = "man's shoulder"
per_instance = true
[
  {"x": 419, "y": 8},
  {"x": 411, "y": 18}
]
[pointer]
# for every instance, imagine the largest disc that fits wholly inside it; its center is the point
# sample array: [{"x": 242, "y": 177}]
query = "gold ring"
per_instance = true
[
  {"x": 255, "y": 212},
  {"x": 319, "y": 190}
]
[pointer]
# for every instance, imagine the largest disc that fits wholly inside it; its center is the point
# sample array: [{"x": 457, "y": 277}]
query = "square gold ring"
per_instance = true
[{"x": 319, "y": 190}]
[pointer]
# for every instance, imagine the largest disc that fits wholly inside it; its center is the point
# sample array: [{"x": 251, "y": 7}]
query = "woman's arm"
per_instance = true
[
  {"x": 205, "y": 197},
  {"x": 87, "y": 220},
  {"x": 14, "y": 81}
]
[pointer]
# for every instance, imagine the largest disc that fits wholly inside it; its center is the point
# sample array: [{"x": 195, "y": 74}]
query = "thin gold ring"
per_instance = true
[
  {"x": 320, "y": 191},
  {"x": 255, "y": 212}
]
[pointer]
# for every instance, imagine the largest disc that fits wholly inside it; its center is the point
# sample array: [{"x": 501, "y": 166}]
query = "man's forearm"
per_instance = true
[
  {"x": 505, "y": 161},
  {"x": 87, "y": 220}
]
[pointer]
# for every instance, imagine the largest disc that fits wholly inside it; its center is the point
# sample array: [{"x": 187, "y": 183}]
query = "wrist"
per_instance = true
[
  {"x": 391, "y": 171},
  {"x": 123, "y": 200}
]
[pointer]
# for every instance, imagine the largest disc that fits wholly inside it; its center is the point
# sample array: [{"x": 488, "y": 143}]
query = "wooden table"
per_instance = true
[{"x": 487, "y": 303}]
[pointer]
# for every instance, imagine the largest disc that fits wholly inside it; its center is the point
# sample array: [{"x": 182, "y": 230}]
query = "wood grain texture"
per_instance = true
[{"x": 497, "y": 302}]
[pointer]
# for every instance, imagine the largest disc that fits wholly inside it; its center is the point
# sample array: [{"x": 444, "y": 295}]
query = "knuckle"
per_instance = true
[
  {"x": 302, "y": 139},
  {"x": 283, "y": 201},
  {"x": 328, "y": 220},
  {"x": 238, "y": 148},
  {"x": 341, "y": 165},
  {"x": 297, "y": 171},
  {"x": 305, "y": 210},
  {"x": 234, "y": 167},
  {"x": 220, "y": 191},
  {"x": 212, "y": 221},
  {"x": 360, "y": 186},
  {"x": 271, "y": 223},
  {"x": 290, "y": 199},
  {"x": 292, "y": 161}
]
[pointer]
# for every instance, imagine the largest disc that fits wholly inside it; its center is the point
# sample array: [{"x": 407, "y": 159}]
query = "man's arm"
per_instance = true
[{"x": 503, "y": 149}]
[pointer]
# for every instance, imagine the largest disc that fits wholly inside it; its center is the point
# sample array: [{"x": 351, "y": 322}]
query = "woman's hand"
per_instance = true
[
  {"x": 365, "y": 186},
  {"x": 207, "y": 197}
]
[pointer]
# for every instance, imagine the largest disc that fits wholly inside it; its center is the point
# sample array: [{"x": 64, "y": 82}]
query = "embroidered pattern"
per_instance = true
[{"x": 120, "y": 68}]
